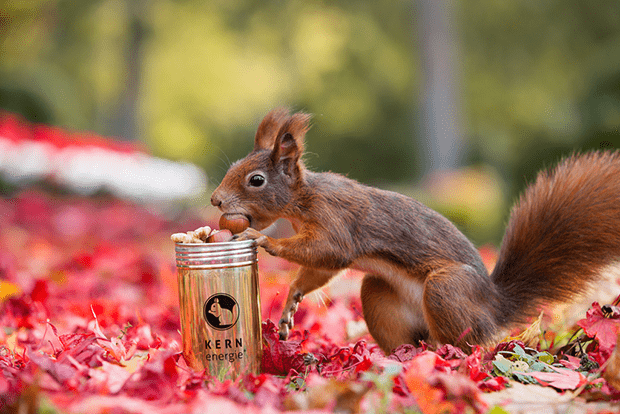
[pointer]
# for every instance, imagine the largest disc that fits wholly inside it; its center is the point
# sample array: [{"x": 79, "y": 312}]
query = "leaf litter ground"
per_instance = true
[{"x": 89, "y": 322}]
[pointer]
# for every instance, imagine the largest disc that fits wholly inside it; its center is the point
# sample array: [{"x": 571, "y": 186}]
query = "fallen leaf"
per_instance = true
[
  {"x": 279, "y": 357},
  {"x": 563, "y": 379},
  {"x": 604, "y": 329}
]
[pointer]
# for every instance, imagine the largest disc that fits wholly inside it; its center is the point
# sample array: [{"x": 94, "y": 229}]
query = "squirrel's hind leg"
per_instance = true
[
  {"x": 459, "y": 305},
  {"x": 391, "y": 321}
]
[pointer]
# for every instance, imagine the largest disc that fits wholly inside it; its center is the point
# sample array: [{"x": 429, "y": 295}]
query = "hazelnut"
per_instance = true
[
  {"x": 234, "y": 222},
  {"x": 220, "y": 236}
]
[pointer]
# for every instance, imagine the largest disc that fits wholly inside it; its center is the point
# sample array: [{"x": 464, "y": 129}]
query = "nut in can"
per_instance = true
[{"x": 220, "y": 307}]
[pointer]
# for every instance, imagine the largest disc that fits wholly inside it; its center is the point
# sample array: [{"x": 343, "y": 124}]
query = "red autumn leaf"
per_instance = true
[
  {"x": 267, "y": 389},
  {"x": 81, "y": 348},
  {"x": 571, "y": 362},
  {"x": 279, "y": 357},
  {"x": 364, "y": 365},
  {"x": 563, "y": 379},
  {"x": 21, "y": 312},
  {"x": 405, "y": 353},
  {"x": 40, "y": 291},
  {"x": 359, "y": 358},
  {"x": 113, "y": 259},
  {"x": 473, "y": 366},
  {"x": 60, "y": 372},
  {"x": 448, "y": 351},
  {"x": 493, "y": 384},
  {"x": 347, "y": 361},
  {"x": 508, "y": 346},
  {"x": 428, "y": 362},
  {"x": 604, "y": 329},
  {"x": 438, "y": 389},
  {"x": 155, "y": 380},
  {"x": 142, "y": 336}
]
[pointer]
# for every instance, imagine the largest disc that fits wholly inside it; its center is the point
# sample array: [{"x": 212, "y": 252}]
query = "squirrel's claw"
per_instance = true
[
  {"x": 284, "y": 330},
  {"x": 286, "y": 322}
]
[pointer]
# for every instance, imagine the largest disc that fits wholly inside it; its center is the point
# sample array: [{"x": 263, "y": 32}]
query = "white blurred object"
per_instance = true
[{"x": 87, "y": 168}]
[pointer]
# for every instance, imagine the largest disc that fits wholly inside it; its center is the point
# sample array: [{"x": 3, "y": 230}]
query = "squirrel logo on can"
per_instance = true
[{"x": 221, "y": 311}]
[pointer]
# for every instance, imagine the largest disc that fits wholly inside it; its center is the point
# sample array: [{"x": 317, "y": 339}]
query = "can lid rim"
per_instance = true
[{"x": 216, "y": 243}]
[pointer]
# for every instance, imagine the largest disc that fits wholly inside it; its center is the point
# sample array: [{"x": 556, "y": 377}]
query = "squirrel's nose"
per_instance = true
[{"x": 215, "y": 200}]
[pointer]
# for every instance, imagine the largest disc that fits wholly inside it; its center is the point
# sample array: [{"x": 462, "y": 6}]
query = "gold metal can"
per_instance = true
[{"x": 220, "y": 307}]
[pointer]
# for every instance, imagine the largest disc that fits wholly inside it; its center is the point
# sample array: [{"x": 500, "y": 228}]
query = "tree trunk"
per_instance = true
[{"x": 441, "y": 142}]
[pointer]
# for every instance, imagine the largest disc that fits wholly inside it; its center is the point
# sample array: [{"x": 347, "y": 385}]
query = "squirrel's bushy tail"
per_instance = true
[{"x": 561, "y": 234}]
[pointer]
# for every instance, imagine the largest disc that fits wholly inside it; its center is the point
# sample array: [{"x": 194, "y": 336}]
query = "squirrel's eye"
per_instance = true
[{"x": 257, "y": 180}]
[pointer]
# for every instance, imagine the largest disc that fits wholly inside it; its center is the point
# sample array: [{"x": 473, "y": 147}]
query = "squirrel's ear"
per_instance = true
[
  {"x": 268, "y": 129},
  {"x": 286, "y": 154},
  {"x": 289, "y": 144},
  {"x": 285, "y": 147}
]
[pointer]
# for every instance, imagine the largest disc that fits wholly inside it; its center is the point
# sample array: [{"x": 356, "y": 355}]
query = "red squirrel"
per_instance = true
[{"x": 424, "y": 279}]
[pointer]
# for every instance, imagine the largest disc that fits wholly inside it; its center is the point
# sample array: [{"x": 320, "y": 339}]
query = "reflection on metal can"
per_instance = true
[{"x": 220, "y": 307}]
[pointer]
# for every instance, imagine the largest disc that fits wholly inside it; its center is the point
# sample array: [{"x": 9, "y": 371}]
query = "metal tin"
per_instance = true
[{"x": 220, "y": 307}]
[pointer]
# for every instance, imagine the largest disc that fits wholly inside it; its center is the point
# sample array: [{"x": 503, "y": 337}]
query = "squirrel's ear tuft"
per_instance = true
[
  {"x": 289, "y": 144},
  {"x": 296, "y": 126},
  {"x": 268, "y": 129}
]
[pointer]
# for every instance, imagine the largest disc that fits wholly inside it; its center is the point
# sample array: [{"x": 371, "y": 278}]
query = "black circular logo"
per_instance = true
[{"x": 221, "y": 311}]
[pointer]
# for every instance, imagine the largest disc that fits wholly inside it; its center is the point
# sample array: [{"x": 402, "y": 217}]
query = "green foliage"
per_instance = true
[
  {"x": 539, "y": 79},
  {"x": 529, "y": 366}
]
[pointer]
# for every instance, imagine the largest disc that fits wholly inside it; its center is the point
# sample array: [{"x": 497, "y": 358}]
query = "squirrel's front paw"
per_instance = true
[
  {"x": 251, "y": 234},
  {"x": 263, "y": 241}
]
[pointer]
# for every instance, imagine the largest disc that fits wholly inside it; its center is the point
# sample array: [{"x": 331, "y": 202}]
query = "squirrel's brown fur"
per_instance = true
[{"x": 425, "y": 279}]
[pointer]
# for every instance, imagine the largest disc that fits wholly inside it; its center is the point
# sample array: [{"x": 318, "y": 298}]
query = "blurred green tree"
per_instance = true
[{"x": 192, "y": 79}]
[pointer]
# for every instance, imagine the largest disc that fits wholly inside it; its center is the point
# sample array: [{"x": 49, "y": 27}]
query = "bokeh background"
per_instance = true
[{"x": 458, "y": 102}]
